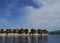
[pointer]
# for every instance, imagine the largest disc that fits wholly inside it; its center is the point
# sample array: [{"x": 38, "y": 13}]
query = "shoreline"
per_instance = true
[{"x": 15, "y": 34}]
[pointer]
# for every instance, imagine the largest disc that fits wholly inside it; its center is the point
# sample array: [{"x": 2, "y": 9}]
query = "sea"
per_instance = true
[{"x": 30, "y": 39}]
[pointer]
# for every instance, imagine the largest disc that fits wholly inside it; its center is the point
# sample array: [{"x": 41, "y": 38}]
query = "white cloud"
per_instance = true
[
  {"x": 44, "y": 2},
  {"x": 47, "y": 16}
]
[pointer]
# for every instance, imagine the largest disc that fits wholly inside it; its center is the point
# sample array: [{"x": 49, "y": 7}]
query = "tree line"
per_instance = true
[{"x": 26, "y": 31}]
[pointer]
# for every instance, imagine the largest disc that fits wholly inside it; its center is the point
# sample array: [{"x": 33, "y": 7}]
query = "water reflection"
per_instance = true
[{"x": 23, "y": 39}]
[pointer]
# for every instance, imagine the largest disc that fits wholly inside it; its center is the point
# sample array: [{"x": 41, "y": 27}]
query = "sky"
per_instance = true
[{"x": 37, "y": 14}]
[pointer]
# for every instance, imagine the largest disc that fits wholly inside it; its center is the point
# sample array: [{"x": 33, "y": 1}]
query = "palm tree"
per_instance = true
[
  {"x": 33, "y": 31},
  {"x": 7, "y": 31},
  {"x": 14, "y": 31},
  {"x": 45, "y": 31},
  {"x": 10, "y": 30},
  {"x": 20, "y": 31},
  {"x": 39, "y": 31},
  {"x": 26, "y": 31},
  {"x": 2, "y": 30}
]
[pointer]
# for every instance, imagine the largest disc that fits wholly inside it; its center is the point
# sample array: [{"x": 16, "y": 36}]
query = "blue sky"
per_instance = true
[{"x": 44, "y": 14}]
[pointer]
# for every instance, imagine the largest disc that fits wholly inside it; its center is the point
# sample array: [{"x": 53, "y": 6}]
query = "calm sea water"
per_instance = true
[{"x": 31, "y": 39}]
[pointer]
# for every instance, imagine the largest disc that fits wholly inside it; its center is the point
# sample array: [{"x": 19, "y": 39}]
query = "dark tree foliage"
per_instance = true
[
  {"x": 39, "y": 31},
  {"x": 44, "y": 31},
  {"x": 33, "y": 31},
  {"x": 14, "y": 31},
  {"x": 10, "y": 31},
  {"x": 26, "y": 31},
  {"x": 7, "y": 31},
  {"x": 1, "y": 30},
  {"x": 20, "y": 31}
]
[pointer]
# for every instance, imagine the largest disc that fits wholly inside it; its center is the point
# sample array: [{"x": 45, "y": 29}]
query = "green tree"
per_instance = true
[
  {"x": 7, "y": 31},
  {"x": 20, "y": 31},
  {"x": 39, "y": 31},
  {"x": 14, "y": 31},
  {"x": 10, "y": 30},
  {"x": 45, "y": 31},
  {"x": 26, "y": 31},
  {"x": 2, "y": 30},
  {"x": 33, "y": 31}
]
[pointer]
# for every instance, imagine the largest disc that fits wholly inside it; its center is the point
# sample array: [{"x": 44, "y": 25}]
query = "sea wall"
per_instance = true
[{"x": 16, "y": 34}]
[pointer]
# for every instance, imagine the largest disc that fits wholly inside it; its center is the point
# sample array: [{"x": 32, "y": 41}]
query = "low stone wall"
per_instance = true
[{"x": 12, "y": 34}]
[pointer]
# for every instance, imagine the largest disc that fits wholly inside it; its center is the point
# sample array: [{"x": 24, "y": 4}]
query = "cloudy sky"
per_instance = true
[{"x": 40, "y": 14}]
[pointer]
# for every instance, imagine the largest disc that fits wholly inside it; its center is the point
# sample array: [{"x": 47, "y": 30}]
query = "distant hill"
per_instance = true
[{"x": 57, "y": 32}]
